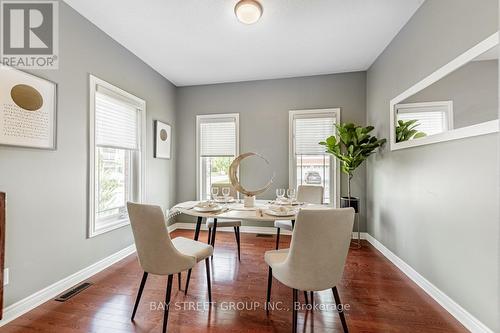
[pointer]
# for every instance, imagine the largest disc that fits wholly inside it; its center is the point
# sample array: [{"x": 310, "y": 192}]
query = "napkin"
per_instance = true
[{"x": 282, "y": 209}]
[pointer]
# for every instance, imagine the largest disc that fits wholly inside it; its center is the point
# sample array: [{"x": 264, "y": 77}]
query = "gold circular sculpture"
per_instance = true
[
  {"x": 163, "y": 135},
  {"x": 233, "y": 176},
  {"x": 26, "y": 97}
]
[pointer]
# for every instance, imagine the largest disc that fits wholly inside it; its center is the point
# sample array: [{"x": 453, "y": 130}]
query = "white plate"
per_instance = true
[
  {"x": 207, "y": 209},
  {"x": 280, "y": 214},
  {"x": 222, "y": 200},
  {"x": 286, "y": 203}
]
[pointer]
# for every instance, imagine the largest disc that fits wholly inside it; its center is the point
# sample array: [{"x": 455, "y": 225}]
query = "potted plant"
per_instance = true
[{"x": 352, "y": 148}]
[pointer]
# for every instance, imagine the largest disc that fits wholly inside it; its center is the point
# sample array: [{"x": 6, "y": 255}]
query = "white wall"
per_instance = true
[
  {"x": 436, "y": 206},
  {"x": 47, "y": 190}
]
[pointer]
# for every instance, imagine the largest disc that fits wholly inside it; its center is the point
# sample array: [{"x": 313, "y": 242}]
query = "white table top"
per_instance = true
[{"x": 236, "y": 211}]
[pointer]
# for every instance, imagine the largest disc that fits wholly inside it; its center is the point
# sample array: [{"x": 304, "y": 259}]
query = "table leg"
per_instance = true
[
  {"x": 214, "y": 230},
  {"x": 198, "y": 227}
]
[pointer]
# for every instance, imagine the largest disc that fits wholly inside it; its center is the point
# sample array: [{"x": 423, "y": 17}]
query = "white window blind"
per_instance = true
[
  {"x": 218, "y": 137},
  {"x": 310, "y": 131},
  {"x": 116, "y": 122},
  {"x": 429, "y": 122},
  {"x": 432, "y": 117}
]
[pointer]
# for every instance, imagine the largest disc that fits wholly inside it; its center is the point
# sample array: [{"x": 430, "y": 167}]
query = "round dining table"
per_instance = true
[{"x": 236, "y": 211}]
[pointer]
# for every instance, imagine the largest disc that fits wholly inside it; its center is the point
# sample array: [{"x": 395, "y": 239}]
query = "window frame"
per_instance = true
[
  {"x": 428, "y": 107},
  {"x": 199, "y": 120},
  {"x": 334, "y": 163},
  {"x": 139, "y": 162}
]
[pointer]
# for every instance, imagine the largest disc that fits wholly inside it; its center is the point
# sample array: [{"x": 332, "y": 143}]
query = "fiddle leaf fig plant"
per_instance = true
[
  {"x": 352, "y": 147},
  {"x": 406, "y": 130}
]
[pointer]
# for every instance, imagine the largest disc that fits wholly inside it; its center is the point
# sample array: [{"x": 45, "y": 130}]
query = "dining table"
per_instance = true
[{"x": 236, "y": 210}]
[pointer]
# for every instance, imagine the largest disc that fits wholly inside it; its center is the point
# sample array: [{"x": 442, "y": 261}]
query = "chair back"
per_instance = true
[
  {"x": 220, "y": 186},
  {"x": 319, "y": 246},
  {"x": 157, "y": 254},
  {"x": 310, "y": 193}
]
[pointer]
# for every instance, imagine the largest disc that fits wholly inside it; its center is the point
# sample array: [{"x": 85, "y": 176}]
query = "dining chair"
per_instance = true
[
  {"x": 316, "y": 257},
  {"x": 214, "y": 223},
  {"x": 159, "y": 254},
  {"x": 312, "y": 194}
]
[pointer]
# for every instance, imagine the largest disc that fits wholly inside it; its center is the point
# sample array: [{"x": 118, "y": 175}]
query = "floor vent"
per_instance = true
[
  {"x": 264, "y": 235},
  {"x": 73, "y": 291}
]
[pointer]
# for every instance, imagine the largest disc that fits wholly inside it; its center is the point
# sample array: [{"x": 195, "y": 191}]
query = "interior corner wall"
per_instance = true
[
  {"x": 436, "y": 206},
  {"x": 263, "y": 107},
  {"x": 47, "y": 190}
]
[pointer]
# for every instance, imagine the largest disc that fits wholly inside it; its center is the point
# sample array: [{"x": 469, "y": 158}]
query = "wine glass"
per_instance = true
[
  {"x": 215, "y": 192},
  {"x": 280, "y": 193},
  {"x": 225, "y": 192},
  {"x": 291, "y": 194}
]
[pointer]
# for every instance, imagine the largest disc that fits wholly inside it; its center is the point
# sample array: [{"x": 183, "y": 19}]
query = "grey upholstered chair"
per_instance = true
[
  {"x": 214, "y": 223},
  {"x": 316, "y": 257},
  {"x": 160, "y": 255},
  {"x": 306, "y": 193}
]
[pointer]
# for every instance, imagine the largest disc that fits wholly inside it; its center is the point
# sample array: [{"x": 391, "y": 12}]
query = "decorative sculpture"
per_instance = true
[{"x": 249, "y": 199}]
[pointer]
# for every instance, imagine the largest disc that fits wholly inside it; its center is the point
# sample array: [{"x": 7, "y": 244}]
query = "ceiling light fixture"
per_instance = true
[{"x": 248, "y": 11}]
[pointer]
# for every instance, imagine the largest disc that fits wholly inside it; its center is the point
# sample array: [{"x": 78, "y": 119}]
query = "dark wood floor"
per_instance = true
[{"x": 379, "y": 296}]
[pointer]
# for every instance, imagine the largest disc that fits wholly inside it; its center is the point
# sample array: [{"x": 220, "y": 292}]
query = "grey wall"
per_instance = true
[
  {"x": 473, "y": 90},
  {"x": 47, "y": 190},
  {"x": 436, "y": 206},
  {"x": 263, "y": 107}
]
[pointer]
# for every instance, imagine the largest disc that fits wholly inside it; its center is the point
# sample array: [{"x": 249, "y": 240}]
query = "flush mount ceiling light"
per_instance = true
[{"x": 248, "y": 11}]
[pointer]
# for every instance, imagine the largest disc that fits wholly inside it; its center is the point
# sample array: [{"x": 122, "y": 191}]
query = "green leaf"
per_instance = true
[
  {"x": 419, "y": 135},
  {"x": 352, "y": 146},
  {"x": 406, "y": 130}
]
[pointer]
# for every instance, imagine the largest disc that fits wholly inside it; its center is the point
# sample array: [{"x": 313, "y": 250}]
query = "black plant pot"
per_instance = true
[{"x": 352, "y": 202}]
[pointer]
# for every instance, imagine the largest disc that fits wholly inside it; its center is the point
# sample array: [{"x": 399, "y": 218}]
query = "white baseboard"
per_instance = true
[
  {"x": 21, "y": 307},
  {"x": 462, "y": 315},
  {"x": 243, "y": 229}
]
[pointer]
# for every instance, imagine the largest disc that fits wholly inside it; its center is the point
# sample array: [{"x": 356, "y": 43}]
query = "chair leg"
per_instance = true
[
  {"x": 269, "y": 284},
  {"x": 237, "y": 235},
  {"x": 277, "y": 238},
  {"x": 139, "y": 294},
  {"x": 294, "y": 312},
  {"x": 179, "y": 278},
  {"x": 187, "y": 281},
  {"x": 209, "y": 286},
  {"x": 306, "y": 298},
  {"x": 167, "y": 302},
  {"x": 209, "y": 240},
  {"x": 340, "y": 310}
]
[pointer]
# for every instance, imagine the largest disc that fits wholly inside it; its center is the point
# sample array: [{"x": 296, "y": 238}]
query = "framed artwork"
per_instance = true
[
  {"x": 163, "y": 139},
  {"x": 28, "y": 108}
]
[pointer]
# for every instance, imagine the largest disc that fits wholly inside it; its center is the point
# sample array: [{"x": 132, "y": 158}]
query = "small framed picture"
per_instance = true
[
  {"x": 163, "y": 139},
  {"x": 27, "y": 110}
]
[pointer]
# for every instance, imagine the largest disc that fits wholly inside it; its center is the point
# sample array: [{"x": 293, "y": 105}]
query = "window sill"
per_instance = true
[{"x": 108, "y": 227}]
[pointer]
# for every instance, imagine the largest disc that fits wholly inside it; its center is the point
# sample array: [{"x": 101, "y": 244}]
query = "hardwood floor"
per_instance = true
[{"x": 379, "y": 296}]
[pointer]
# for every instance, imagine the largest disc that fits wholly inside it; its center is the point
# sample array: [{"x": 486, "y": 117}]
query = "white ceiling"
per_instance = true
[{"x": 193, "y": 42}]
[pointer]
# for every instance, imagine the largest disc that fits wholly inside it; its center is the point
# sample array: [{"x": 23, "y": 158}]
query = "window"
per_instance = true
[
  {"x": 309, "y": 164},
  {"x": 216, "y": 146},
  {"x": 117, "y": 121},
  {"x": 433, "y": 117}
]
